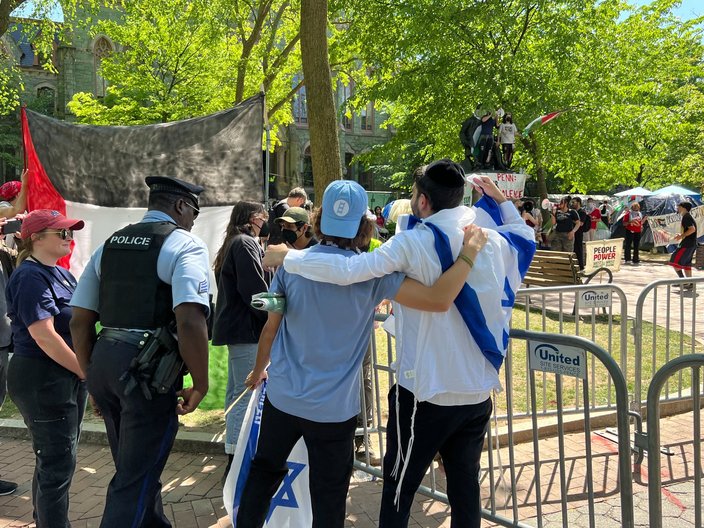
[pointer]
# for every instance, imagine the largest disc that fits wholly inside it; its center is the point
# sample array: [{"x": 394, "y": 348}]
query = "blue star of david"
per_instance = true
[{"x": 285, "y": 496}]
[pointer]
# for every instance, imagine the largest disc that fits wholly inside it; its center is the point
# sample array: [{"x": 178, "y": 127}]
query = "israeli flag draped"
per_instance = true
[
  {"x": 514, "y": 263},
  {"x": 290, "y": 506}
]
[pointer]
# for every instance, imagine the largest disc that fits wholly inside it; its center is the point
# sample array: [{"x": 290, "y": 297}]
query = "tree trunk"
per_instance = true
[
  {"x": 532, "y": 147},
  {"x": 7, "y": 7},
  {"x": 322, "y": 118}
]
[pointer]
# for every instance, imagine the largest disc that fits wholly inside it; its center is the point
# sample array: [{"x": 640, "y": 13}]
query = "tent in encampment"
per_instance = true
[{"x": 654, "y": 205}]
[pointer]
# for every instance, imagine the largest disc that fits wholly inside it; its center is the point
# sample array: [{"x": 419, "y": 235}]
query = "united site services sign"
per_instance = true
[
  {"x": 565, "y": 360},
  {"x": 595, "y": 299}
]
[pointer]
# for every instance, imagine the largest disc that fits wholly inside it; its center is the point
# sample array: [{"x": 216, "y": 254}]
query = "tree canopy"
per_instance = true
[
  {"x": 630, "y": 79},
  {"x": 184, "y": 58}
]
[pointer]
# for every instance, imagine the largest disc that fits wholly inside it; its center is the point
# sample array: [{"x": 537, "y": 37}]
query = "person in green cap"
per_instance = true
[{"x": 296, "y": 230}]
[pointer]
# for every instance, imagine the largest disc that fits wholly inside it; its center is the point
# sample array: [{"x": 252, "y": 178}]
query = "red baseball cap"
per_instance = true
[
  {"x": 9, "y": 190},
  {"x": 41, "y": 219}
]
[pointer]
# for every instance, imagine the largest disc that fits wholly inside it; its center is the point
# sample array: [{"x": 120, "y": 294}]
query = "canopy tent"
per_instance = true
[
  {"x": 636, "y": 191},
  {"x": 676, "y": 189}
]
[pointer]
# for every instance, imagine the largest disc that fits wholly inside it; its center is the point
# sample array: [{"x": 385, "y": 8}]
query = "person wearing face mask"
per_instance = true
[
  {"x": 239, "y": 274},
  {"x": 296, "y": 230}
]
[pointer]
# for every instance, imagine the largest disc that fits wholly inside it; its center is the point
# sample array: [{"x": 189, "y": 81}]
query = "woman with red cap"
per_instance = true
[{"x": 44, "y": 378}]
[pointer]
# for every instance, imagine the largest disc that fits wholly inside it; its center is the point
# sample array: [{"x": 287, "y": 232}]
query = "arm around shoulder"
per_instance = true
[{"x": 440, "y": 296}]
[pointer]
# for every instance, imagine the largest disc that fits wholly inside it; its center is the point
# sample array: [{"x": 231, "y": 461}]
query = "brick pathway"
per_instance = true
[{"x": 192, "y": 492}]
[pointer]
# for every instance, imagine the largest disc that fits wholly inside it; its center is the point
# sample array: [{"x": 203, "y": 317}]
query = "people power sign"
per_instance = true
[
  {"x": 665, "y": 227},
  {"x": 564, "y": 360},
  {"x": 510, "y": 183},
  {"x": 603, "y": 254}
]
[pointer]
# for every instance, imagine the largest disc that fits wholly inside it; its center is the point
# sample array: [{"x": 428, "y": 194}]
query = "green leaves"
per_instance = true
[
  {"x": 632, "y": 79},
  {"x": 177, "y": 59}
]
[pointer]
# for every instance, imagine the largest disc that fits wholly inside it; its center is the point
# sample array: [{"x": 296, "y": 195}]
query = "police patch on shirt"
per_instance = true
[
  {"x": 203, "y": 286},
  {"x": 133, "y": 242}
]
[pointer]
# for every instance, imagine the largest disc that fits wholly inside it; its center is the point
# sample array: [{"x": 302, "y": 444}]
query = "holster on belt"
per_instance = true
[{"x": 157, "y": 366}]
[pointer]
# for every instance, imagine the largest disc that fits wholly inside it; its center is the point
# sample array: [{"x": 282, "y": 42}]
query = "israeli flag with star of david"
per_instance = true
[{"x": 290, "y": 506}]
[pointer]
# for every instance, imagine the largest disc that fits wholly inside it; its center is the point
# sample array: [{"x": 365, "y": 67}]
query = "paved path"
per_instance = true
[
  {"x": 669, "y": 309},
  {"x": 192, "y": 492}
]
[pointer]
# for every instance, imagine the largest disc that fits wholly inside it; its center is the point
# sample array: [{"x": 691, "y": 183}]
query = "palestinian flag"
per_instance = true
[
  {"x": 540, "y": 121},
  {"x": 96, "y": 173}
]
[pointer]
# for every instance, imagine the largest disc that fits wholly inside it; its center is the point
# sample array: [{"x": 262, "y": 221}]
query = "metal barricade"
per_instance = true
[
  {"x": 695, "y": 362},
  {"x": 665, "y": 328},
  {"x": 598, "y": 312},
  {"x": 543, "y": 475}
]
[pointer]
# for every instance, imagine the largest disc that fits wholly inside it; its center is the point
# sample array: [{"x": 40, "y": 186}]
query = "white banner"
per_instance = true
[
  {"x": 512, "y": 184},
  {"x": 290, "y": 507},
  {"x": 603, "y": 254},
  {"x": 665, "y": 227},
  {"x": 101, "y": 222}
]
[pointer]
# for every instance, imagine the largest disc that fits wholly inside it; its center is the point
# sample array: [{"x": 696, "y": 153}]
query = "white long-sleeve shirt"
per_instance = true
[{"x": 438, "y": 360}]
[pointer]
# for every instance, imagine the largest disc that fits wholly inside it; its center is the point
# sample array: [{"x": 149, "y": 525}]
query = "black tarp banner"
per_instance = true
[{"x": 106, "y": 165}]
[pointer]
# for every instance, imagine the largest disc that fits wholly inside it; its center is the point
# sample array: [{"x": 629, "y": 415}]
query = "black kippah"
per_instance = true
[{"x": 446, "y": 173}]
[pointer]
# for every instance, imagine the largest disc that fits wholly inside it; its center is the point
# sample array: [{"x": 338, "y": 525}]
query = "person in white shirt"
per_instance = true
[
  {"x": 507, "y": 138},
  {"x": 447, "y": 364}
]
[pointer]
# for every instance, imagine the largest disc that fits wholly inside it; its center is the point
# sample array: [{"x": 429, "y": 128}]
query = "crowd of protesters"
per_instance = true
[
  {"x": 331, "y": 262},
  {"x": 566, "y": 226}
]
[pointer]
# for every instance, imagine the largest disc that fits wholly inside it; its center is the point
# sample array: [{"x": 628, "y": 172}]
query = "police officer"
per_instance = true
[{"x": 146, "y": 276}]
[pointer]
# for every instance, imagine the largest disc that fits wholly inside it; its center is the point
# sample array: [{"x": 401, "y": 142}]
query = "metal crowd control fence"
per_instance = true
[
  {"x": 695, "y": 362},
  {"x": 598, "y": 312},
  {"x": 543, "y": 475},
  {"x": 665, "y": 327}
]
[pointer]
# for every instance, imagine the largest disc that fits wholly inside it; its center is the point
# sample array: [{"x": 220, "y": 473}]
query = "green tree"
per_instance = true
[
  {"x": 628, "y": 78},
  {"x": 184, "y": 58}
]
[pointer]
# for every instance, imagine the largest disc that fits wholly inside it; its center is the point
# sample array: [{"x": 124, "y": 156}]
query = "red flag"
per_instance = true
[{"x": 41, "y": 194}]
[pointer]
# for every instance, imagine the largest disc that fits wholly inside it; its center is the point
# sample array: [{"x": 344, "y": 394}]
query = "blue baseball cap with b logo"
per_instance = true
[{"x": 344, "y": 205}]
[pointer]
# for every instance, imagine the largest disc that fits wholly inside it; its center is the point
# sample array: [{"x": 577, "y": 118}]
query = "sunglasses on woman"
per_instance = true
[{"x": 63, "y": 233}]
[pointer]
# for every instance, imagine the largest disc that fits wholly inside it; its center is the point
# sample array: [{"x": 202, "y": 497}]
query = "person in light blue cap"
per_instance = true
[{"x": 314, "y": 352}]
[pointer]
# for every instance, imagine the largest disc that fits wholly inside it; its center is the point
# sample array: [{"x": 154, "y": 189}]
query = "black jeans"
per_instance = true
[
  {"x": 52, "y": 401},
  {"x": 330, "y": 458},
  {"x": 141, "y": 434},
  {"x": 457, "y": 433},
  {"x": 579, "y": 247},
  {"x": 632, "y": 240}
]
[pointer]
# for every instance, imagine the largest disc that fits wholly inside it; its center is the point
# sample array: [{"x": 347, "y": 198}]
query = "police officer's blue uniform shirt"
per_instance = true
[{"x": 183, "y": 262}]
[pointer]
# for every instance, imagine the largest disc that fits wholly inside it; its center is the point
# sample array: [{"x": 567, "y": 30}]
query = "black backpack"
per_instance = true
[{"x": 587, "y": 224}]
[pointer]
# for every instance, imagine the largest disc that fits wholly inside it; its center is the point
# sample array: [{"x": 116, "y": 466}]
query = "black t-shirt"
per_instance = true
[
  {"x": 565, "y": 220},
  {"x": 586, "y": 221},
  {"x": 687, "y": 222}
]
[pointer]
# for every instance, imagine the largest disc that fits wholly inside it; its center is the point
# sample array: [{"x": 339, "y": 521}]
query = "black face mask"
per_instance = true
[
  {"x": 289, "y": 236},
  {"x": 264, "y": 231}
]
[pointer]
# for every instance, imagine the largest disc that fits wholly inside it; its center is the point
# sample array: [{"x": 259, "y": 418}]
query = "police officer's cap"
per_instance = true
[{"x": 165, "y": 184}]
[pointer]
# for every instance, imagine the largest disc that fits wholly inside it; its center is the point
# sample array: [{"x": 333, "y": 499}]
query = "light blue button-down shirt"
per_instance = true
[{"x": 183, "y": 262}]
